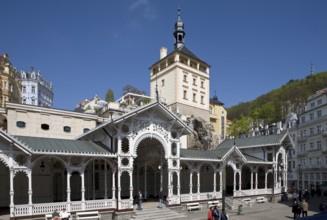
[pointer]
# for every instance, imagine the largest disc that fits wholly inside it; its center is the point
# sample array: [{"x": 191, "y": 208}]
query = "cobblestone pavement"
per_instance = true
[{"x": 266, "y": 211}]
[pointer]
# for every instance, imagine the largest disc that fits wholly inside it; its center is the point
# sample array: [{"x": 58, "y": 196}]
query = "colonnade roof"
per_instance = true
[
  {"x": 38, "y": 145},
  {"x": 258, "y": 141}
]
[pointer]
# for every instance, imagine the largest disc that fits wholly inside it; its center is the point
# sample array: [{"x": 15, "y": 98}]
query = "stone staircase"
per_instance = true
[{"x": 157, "y": 214}]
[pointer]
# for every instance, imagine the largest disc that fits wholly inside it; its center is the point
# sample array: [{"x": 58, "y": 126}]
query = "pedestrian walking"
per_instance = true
[
  {"x": 160, "y": 198},
  {"x": 139, "y": 200},
  {"x": 305, "y": 208},
  {"x": 216, "y": 213},
  {"x": 210, "y": 214},
  {"x": 223, "y": 215}
]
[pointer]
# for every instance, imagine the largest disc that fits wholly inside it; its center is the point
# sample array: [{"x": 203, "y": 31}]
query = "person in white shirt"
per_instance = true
[{"x": 64, "y": 215}]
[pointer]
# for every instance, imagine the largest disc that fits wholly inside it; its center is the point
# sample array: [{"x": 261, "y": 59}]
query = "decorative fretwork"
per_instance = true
[
  {"x": 161, "y": 128},
  {"x": 125, "y": 145},
  {"x": 139, "y": 126},
  {"x": 21, "y": 159}
]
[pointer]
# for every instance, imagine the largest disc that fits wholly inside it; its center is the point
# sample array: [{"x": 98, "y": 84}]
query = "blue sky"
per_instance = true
[{"x": 85, "y": 47}]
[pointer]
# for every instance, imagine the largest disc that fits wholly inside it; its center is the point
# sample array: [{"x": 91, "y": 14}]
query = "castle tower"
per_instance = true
[{"x": 181, "y": 79}]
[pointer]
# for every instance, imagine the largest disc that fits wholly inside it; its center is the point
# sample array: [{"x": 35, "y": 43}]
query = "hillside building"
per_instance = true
[{"x": 218, "y": 117}]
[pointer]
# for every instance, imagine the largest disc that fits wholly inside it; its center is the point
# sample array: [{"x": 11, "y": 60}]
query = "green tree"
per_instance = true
[{"x": 110, "y": 96}]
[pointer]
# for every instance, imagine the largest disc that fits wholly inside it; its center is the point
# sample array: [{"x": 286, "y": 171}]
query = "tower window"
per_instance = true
[
  {"x": 185, "y": 78},
  {"x": 67, "y": 129},
  {"x": 194, "y": 97},
  {"x": 33, "y": 89},
  {"x": 194, "y": 81},
  {"x": 202, "y": 99},
  {"x": 162, "y": 82},
  {"x": 202, "y": 84},
  {"x": 184, "y": 94}
]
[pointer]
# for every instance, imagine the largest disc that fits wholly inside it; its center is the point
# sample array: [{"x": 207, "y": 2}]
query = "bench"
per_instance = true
[
  {"x": 213, "y": 204},
  {"x": 248, "y": 201},
  {"x": 261, "y": 199},
  {"x": 49, "y": 216},
  {"x": 194, "y": 205},
  {"x": 88, "y": 215}
]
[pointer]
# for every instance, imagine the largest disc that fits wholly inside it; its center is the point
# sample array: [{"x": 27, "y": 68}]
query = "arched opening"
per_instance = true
[
  {"x": 229, "y": 180},
  {"x": 50, "y": 173},
  {"x": 150, "y": 169},
  {"x": 185, "y": 179},
  {"x": 206, "y": 178},
  {"x": 261, "y": 178},
  {"x": 246, "y": 177},
  {"x": 20, "y": 188},
  {"x": 124, "y": 181},
  {"x": 75, "y": 186},
  {"x": 98, "y": 179},
  {"x": 174, "y": 181},
  {"x": 5, "y": 186}
]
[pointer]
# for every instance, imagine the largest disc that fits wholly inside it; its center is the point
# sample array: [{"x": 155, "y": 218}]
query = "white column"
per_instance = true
[
  {"x": 93, "y": 177},
  {"x": 214, "y": 182},
  {"x": 83, "y": 188},
  {"x": 198, "y": 185},
  {"x": 240, "y": 181},
  {"x": 234, "y": 182},
  {"x": 169, "y": 182},
  {"x": 113, "y": 186},
  {"x": 131, "y": 186},
  {"x": 30, "y": 193},
  {"x": 266, "y": 179},
  {"x": 68, "y": 191},
  {"x": 191, "y": 185},
  {"x": 256, "y": 180},
  {"x": 105, "y": 181},
  {"x": 119, "y": 189},
  {"x": 221, "y": 181},
  {"x": 11, "y": 192},
  {"x": 179, "y": 184}
]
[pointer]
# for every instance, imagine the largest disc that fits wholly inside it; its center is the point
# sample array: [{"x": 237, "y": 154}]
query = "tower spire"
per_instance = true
[
  {"x": 179, "y": 33},
  {"x": 311, "y": 68}
]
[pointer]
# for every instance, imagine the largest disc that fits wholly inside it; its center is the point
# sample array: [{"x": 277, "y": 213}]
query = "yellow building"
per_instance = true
[
  {"x": 9, "y": 86},
  {"x": 218, "y": 117}
]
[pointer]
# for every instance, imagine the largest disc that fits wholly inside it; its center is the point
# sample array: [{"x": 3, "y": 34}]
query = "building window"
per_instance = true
[
  {"x": 312, "y": 131},
  {"x": 24, "y": 101},
  {"x": 312, "y": 104},
  {"x": 45, "y": 126},
  {"x": 194, "y": 81},
  {"x": 33, "y": 101},
  {"x": 33, "y": 89},
  {"x": 202, "y": 99},
  {"x": 67, "y": 129},
  {"x": 86, "y": 130},
  {"x": 302, "y": 119},
  {"x": 162, "y": 82},
  {"x": 194, "y": 97},
  {"x": 319, "y": 145},
  {"x": 185, "y": 78},
  {"x": 312, "y": 116},
  {"x": 202, "y": 84},
  {"x": 319, "y": 102},
  {"x": 311, "y": 146},
  {"x": 211, "y": 109},
  {"x": 319, "y": 114},
  {"x": 21, "y": 124},
  {"x": 319, "y": 130},
  {"x": 184, "y": 94}
]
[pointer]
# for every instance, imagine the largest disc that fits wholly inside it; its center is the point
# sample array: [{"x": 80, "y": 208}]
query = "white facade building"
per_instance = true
[
  {"x": 35, "y": 90},
  {"x": 312, "y": 142}
]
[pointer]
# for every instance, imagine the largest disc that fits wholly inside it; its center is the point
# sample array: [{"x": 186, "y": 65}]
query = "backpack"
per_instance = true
[{"x": 216, "y": 213}]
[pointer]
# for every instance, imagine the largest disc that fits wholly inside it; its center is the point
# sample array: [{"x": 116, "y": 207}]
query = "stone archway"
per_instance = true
[{"x": 150, "y": 168}]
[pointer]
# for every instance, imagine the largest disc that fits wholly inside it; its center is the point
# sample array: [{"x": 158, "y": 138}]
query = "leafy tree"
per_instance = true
[
  {"x": 110, "y": 97},
  {"x": 132, "y": 89}
]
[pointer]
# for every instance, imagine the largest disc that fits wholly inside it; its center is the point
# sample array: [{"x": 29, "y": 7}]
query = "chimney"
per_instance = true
[{"x": 163, "y": 52}]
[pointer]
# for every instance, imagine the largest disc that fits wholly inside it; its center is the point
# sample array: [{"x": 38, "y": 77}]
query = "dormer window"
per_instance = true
[
  {"x": 45, "y": 126},
  {"x": 67, "y": 129},
  {"x": 20, "y": 124}
]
